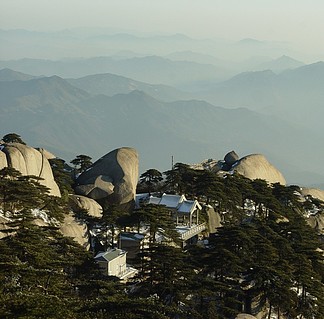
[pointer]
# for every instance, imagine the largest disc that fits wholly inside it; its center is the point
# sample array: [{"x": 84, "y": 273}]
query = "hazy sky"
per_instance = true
[{"x": 298, "y": 21}]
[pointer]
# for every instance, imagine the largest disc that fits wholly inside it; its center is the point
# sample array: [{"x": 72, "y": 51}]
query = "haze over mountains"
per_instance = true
[
  {"x": 56, "y": 114},
  {"x": 91, "y": 90},
  {"x": 90, "y": 42}
]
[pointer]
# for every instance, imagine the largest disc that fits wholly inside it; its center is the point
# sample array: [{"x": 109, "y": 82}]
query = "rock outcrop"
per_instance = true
[
  {"x": 78, "y": 202},
  {"x": 46, "y": 153},
  {"x": 244, "y": 316},
  {"x": 251, "y": 166},
  {"x": 257, "y": 166},
  {"x": 75, "y": 229},
  {"x": 214, "y": 220},
  {"x": 113, "y": 178},
  {"x": 230, "y": 158},
  {"x": 314, "y": 192},
  {"x": 3, "y": 160},
  {"x": 316, "y": 221},
  {"x": 29, "y": 161}
]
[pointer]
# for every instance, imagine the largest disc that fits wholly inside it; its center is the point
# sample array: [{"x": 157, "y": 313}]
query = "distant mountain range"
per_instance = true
[
  {"x": 280, "y": 64},
  {"x": 297, "y": 94},
  {"x": 89, "y": 42},
  {"x": 51, "y": 112},
  {"x": 111, "y": 84},
  {"x": 151, "y": 69}
]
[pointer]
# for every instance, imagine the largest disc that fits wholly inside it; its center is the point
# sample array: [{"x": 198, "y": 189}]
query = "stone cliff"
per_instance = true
[{"x": 29, "y": 161}]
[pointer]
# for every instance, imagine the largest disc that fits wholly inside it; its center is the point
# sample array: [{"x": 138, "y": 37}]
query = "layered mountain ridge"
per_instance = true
[{"x": 51, "y": 113}]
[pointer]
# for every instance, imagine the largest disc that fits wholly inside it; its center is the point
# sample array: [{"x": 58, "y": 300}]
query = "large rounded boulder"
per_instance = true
[
  {"x": 29, "y": 161},
  {"x": 256, "y": 166},
  {"x": 314, "y": 192},
  {"x": 78, "y": 202},
  {"x": 230, "y": 158},
  {"x": 111, "y": 179},
  {"x": 3, "y": 160},
  {"x": 77, "y": 230}
]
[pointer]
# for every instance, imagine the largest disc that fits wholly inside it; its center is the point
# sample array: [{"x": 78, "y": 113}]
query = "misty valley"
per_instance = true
[{"x": 162, "y": 176}]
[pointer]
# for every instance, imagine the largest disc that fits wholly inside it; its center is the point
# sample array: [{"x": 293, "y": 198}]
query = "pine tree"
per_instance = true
[
  {"x": 13, "y": 138},
  {"x": 151, "y": 179},
  {"x": 81, "y": 163},
  {"x": 62, "y": 177}
]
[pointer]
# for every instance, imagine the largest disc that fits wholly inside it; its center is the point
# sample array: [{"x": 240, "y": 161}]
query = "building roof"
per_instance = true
[
  {"x": 171, "y": 201},
  {"x": 109, "y": 255},
  {"x": 132, "y": 236},
  {"x": 178, "y": 202},
  {"x": 188, "y": 206},
  {"x": 154, "y": 200}
]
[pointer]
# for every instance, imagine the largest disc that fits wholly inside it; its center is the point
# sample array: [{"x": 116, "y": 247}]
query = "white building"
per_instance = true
[
  {"x": 185, "y": 212},
  {"x": 113, "y": 263}
]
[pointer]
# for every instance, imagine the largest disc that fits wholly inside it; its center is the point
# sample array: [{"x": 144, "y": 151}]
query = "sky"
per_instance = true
[{"x": 299, "y": 22}]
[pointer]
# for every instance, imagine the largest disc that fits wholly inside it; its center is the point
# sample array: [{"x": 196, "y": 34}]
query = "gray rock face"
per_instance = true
[
  {"x": 214, "y": 220},
  {"x": 314, "y": 192},
  {"x": 70, "y": 227},
  {"x": 244, "y": 316},
  {"x": 29, "y": 161},
  {"x": 113, "y": 177},
  {"x": 257, "y": 166},
  {"x": 78, "y": 202},
  {"x": 317, "y": 222},
  {"x": 46, "y": 153},
  {"x": 76, "y": 230},
  {"x": 230, "y": 158},
  {"x": 3, "y": 160}
]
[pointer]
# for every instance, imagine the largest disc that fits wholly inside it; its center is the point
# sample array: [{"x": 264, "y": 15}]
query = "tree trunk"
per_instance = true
[{"x": 270, "y": 309}]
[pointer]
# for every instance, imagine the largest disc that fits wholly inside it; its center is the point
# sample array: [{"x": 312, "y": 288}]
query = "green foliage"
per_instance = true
[
  {"x": 181, "y": 179},
  {"x": 264, "y": 254},
  {"x": 149, "y": 180},
  {"x": 13, "y": 138},
  {"x": 20, "y": 194},
  {"x": 62, "y": 177},
  {"x": 81, "y": 163},
  {"x": 159, "y": 221}
]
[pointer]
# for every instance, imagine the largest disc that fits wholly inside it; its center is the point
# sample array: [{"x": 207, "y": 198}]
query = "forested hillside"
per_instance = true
[{"x": 264, "y": 258}]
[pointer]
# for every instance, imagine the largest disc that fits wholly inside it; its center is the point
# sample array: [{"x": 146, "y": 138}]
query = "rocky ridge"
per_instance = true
[
  {"x": 254, "y": 166},
  {"x": 113, "y": 178},
  {"x": 29, "y": 161}
]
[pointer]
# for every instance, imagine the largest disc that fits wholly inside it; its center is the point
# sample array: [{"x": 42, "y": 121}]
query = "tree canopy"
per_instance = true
[{"x": 13, "y": 138}]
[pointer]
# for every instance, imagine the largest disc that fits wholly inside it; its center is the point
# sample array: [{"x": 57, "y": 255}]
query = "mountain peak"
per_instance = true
[{"x": 7, "y": 74}]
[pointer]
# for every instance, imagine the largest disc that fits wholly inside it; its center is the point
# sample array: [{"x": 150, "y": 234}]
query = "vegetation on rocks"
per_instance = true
[{"x": 265, "y": 257}]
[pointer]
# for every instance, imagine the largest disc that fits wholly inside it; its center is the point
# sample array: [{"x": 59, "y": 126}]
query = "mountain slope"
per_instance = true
[
  {"x": 111, "y": 84},
  {"x": 297, "y": 94},
  {"x": 150, "y": 69},
  {"x": 10, "y": 75},
  {"x": 280, "y": 64},
  {"x": 47, "y": 92},
  {"x": 51, "y": 113}
]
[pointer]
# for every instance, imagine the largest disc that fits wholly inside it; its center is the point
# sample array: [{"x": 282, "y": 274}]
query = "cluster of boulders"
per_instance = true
[
  {"x": 111, "y": 179},
  {"x": 251, "y": 166},
  {"x": 254, "y": 166}
]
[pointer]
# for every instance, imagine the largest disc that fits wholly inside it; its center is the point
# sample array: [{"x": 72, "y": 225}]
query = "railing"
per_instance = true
[{"x": 192, "y": 231}]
